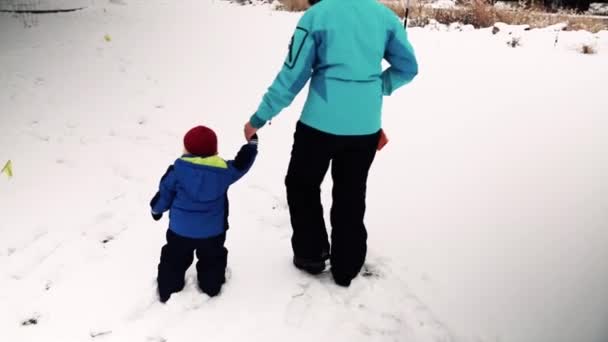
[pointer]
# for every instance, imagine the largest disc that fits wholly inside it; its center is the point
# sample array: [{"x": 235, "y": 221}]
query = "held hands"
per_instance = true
[{"x": 249, "y": 131}]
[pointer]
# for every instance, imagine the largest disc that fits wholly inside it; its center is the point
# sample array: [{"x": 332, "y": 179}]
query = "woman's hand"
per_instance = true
[
  {"x": 383, "y": 140},
  {"x": 249, "y": 131}
]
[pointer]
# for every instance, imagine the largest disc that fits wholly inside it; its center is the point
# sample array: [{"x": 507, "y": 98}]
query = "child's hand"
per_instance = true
[
  {"x": 156, "y": 216},
  {"x": 382, "y": 141}
]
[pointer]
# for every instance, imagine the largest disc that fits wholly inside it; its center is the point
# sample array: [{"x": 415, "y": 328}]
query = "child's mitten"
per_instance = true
[{"x": 156, "y": 216}]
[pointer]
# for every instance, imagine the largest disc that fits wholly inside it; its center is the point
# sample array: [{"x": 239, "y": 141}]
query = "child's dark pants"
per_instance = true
[{"x": 177, "y": 256}]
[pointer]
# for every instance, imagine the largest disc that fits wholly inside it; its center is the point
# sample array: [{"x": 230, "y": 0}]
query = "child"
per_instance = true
[{"x": 194, "y": 189}]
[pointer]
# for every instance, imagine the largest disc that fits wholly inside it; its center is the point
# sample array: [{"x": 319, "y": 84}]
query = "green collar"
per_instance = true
[{"x": 213, "y": 161}]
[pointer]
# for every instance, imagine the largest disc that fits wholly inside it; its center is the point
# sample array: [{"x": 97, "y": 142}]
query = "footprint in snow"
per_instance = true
[
  {"x": 31, "y": 321},
  {"x": 95, "y": 334},
  {"x": 107, "y": 240},
  {"x": 189, "y": 299},
  {"x": 371, "y": 271},
  {"x": 378, "y": 304},
  {"x": 39, "y": 137}
]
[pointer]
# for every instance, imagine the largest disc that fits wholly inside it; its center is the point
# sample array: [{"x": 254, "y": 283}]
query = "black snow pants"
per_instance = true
[
  {"x": 177, "y": 256},
  {"x": 351, "y": 158}
]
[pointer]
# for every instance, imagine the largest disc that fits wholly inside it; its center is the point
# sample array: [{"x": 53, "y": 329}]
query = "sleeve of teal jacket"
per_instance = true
[
  {"x": 400, "y": 55},
  {"x": 294, "y": 74}
]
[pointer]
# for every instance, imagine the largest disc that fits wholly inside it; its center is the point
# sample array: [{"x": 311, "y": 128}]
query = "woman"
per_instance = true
[{"x": 339, "y": 45}]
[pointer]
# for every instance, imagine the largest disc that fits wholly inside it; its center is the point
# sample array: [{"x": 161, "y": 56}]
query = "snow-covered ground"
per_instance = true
[{"x": 488, "y": 210}]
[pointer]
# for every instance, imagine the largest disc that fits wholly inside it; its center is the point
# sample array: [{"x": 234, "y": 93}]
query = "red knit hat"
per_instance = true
[{"x": 201, "y": 141}]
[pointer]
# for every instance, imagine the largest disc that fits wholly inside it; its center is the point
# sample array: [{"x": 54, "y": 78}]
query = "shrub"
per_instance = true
[
  {"x": 481, "y": 13},
  {"x": 587, "y": 49}
]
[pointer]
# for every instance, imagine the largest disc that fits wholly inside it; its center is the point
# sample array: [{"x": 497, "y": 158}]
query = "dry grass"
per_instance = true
[
  {"x": 480, "y": 13},
  {"x": 293, "y": 5},
  {"x": 537, "y": 19},
  {"x": 396, "y": 6}
]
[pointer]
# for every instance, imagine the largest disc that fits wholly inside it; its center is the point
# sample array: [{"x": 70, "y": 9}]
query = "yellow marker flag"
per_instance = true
[
  {"x": 8, "y": 169},
  {"x": 107, "y": 38}
]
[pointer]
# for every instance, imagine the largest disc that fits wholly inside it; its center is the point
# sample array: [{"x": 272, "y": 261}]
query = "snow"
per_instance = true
[{"x": 487, "y": 211}]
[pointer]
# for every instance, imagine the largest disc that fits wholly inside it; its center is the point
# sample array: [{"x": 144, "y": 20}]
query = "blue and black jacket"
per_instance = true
[{"x": 194, "y": 190}]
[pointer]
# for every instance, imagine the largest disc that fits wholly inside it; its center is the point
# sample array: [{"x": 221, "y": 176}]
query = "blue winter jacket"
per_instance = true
[
  {"x": 340, "y": 45},
  {"x": 194, "y": 189}
]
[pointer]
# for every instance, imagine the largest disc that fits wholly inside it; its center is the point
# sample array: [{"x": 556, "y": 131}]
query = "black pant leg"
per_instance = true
[
  {"x": 211, "y": 266},
  {"x": 350, "y": 168},
  {"x": 310, "y": 157},
  {"x": 175, "y": 258}
]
